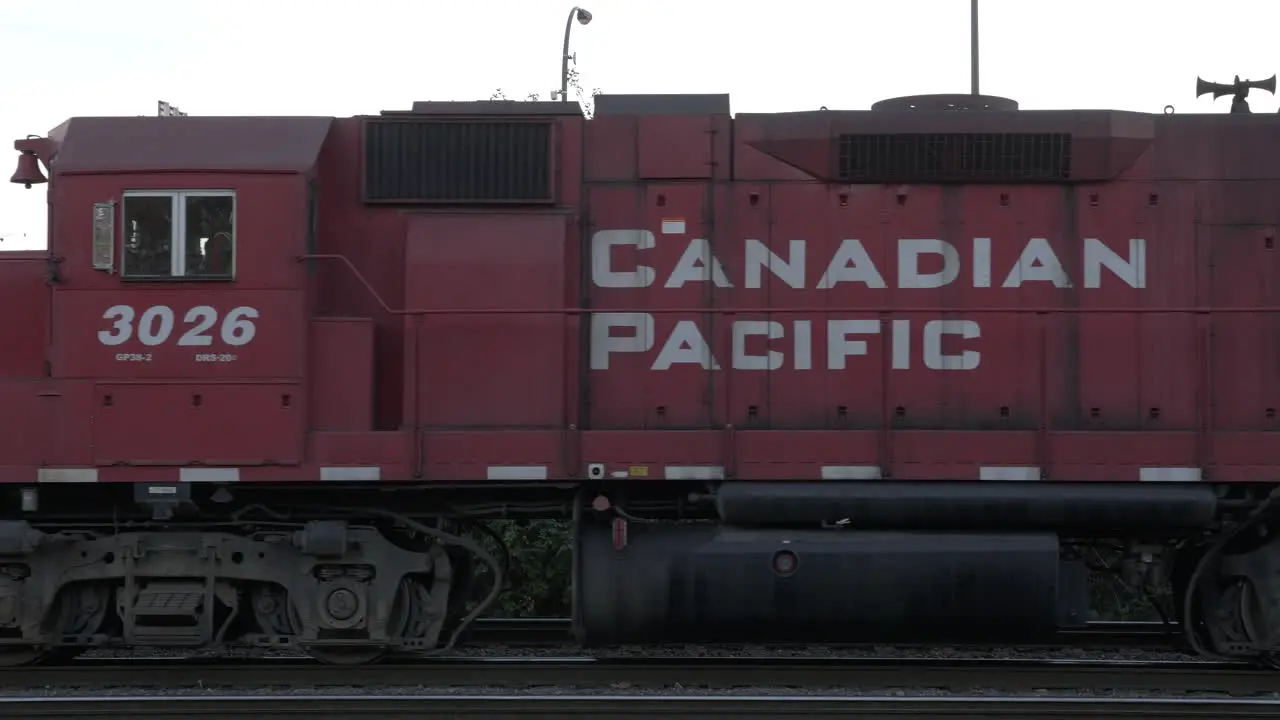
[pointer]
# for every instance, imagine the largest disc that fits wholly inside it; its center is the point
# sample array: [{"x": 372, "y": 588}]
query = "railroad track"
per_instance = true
[
  {"x": 687, "y": 708},
  {"x": 657, "y": 674}
]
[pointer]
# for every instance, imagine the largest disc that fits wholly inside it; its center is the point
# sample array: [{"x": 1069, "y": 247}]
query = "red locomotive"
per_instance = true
[{"x": 817, "y": 375}]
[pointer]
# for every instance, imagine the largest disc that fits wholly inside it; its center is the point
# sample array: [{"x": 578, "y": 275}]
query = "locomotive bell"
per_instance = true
[{"x": 28, "y": 172}]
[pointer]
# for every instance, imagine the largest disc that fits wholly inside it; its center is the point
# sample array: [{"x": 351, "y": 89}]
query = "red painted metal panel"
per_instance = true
[
  {"x": 392, "y": 450},
  {"x": 860, "y": 265},
  {"x": 368, "y": 238},
  {"x": 25, "y": 332},
  {"x": 341, "y": 365},
  {"x": 178, "y": 331},
  {"x": 681, "y": 147},
  {"x": 485, "y": 370},
  {"x": 620, "y": 450},
  {"x": 493, "y": 454},
  {"x": 613, "y": 155},
  {"x": 751, "y": 164},
  {"x": 198, "y": 424},
  {"x": 27, "y": 442},
  {"x": 1246, "y": 348},
  {"x": 625, "y": 393},
  {"x": 237, "y": 144}
]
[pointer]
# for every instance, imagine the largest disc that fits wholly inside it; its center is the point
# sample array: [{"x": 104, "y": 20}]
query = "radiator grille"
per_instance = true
[
  {"x": 457, "y": 162},
  {"x": 955, "y": 157}
]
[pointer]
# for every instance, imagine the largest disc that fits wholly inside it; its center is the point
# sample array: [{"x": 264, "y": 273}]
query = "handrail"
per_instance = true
[
  {"x": 354, "y": 271},
  {"x": 794, "y": 310}
]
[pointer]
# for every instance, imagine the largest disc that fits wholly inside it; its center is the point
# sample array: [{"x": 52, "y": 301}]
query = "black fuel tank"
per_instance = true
[{"x": 673, "y": 583}]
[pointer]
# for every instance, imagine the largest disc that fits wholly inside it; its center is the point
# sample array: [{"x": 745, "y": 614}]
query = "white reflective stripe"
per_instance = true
[
  {"x": 226, "y": 475},
  {"x": 67, "y": 475},
  {"x": 516, "y": 472},
  {"x": 851, "y": 472},
  {"x": 1010, "y": 473},
  {"x": 693, "y": 472},
  {"x": 351, "y": 474},
  {"x": 1170, "y": 474}
]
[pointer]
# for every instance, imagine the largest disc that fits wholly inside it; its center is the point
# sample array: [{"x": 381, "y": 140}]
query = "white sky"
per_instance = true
[{"x": 337, "y": 57}]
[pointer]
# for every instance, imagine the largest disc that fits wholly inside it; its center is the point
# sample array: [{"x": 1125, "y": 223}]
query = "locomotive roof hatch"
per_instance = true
[{"x": 947, "y": 102}]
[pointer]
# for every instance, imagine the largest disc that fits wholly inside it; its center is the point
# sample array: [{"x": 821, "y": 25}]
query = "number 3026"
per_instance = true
[{"x": 154, "y": 326}]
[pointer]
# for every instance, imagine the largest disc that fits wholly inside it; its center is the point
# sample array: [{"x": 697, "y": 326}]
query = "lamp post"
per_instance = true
[
  {"x": 973, "y": 46},
  {"x": 584, "y": 17}
]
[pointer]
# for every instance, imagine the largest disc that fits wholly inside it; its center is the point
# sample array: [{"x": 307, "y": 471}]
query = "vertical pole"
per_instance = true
[
  {"x": 568, "y": 28},
  {"x": 973, "y": 46}
]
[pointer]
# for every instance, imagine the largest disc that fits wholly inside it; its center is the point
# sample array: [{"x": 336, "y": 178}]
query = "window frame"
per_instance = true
[{"x": 178, "y": 235}]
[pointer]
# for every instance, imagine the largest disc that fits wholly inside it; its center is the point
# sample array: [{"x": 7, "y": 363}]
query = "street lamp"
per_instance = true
[
  {"x": 583, "y": 17},
  {"x": 973, "y": 46}
]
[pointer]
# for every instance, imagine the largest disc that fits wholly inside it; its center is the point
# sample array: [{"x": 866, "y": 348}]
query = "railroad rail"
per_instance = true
[
  {"x": 556, "y": 631},
  {"x": 687, "y": 708},
  {"x": 516, "y": 673}
]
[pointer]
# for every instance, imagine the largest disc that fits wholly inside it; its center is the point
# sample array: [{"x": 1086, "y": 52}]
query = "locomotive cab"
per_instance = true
[{"x": 188, "y": 276}]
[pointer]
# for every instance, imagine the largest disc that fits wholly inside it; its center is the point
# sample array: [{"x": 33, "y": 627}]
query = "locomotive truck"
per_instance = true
[{"x": 836, "y": 376}]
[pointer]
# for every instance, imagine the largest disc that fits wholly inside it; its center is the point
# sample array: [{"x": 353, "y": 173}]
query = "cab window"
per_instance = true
[{"x": 179, "y": 234}]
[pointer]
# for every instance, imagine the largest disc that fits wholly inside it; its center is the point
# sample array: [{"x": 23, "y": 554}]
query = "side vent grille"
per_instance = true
[
  {"x": 457, "y": 162},
  {"x": 955, "y": 157}
]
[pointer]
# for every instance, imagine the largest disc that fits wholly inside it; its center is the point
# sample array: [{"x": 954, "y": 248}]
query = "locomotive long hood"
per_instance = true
[{"x": 921, "y": 146}]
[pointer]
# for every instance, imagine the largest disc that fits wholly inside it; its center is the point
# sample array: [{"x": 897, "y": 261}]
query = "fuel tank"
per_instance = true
[{"x": 693, "y": 583}]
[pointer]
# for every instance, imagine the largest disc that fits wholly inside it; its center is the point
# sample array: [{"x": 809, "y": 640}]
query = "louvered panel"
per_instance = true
[
  {"x": 955, "y": 157},
  {"x": 458, "y": 162}
]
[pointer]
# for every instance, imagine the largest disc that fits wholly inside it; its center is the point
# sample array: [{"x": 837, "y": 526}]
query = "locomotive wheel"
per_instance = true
[
  {"x": 336, "y": 655},
  {"x": 408, "y": 618},
  {"x": 80, "y": 611},
  {"x": 276, "y": 614}
]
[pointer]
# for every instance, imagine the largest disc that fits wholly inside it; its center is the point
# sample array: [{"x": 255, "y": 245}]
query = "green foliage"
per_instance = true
[
  {"x": 540, "y": 568},
  {"x": 1113, "y": 600}
]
